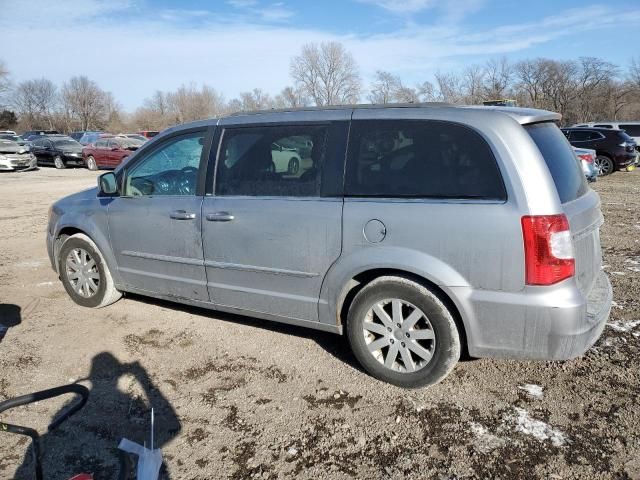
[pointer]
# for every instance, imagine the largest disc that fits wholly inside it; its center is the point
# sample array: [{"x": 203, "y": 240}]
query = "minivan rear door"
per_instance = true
[
  {"x": 580, "y": 204},
  {"x": 269, "y": 234}
]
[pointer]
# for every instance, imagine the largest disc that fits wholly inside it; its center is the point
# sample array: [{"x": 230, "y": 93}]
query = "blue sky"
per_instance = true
[{"x": 134, "y": 47}]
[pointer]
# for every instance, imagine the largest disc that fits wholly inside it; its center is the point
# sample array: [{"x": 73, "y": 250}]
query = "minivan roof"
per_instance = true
[{"x": 521, "y": 115}]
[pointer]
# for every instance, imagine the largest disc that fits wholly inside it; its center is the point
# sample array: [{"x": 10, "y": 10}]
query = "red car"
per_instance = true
[
  {"x": 108, "y": 152},
  {"x": 148, "y": 133}
]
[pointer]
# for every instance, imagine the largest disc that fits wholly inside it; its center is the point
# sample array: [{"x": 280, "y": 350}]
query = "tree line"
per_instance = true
[{"x": 585, "y": 89}]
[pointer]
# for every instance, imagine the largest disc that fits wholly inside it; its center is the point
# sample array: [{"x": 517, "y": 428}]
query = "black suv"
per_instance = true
[{"x": 615, "y": 149}]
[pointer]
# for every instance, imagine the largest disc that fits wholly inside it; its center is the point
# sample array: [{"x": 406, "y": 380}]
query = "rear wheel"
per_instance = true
[
  {"x": 84, "y": 273},
  {"x": 91, "y": 163},
  {"x": 57, "y": 161},
  {"x": 604, "y": 165},
  {"x": 402, "y": 333}
]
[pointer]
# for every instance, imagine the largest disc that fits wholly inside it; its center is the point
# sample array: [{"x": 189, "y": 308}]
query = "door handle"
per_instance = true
[
  {"x": 220, "y": 217},
  {"x": 182, "y": 215}
]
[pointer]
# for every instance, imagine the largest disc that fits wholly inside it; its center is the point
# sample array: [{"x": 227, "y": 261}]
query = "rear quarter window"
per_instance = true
[
  {"x": 561, "y": 161},
  {"x": 633, "y": 130},
  {"x": 420, "y": 159}
]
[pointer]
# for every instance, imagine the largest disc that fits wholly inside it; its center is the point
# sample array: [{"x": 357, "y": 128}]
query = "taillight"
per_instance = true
[
  {"x": 586, "y": 157},
  {"x": 548, "y": 250}
]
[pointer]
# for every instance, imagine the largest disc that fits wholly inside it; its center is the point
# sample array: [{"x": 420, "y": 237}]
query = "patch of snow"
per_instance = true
[
  {"x": 486, "y": 441},
  {"x": 538, "y": 429},
  {"x": 632, "y": 261},
  {"x": 634, "y": 269},
  {"x": 532, "y": 389},
  {"x": 624, "y": 326},
  {"x": 604, "y": 266},
  {"x": 615, "y": 304},
  {"x": 44, "y": 284},
  {"x": 29, "y": 264},
  {"x": 292, "y": 451},
  {"x": 618, "y": 273}
]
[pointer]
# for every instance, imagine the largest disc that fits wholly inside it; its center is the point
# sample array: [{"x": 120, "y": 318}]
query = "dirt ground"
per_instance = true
[{"x": 237, "y": 397}]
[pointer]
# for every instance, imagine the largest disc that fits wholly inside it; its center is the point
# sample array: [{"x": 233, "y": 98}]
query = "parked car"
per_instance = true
[
  {"x": 615, "y": 149},
  {"x": 285, "y": 159},
  {"x": 77, "y": 135},
  {"x": 14, "y": 138},
  {"x": 630, "y": 128},
  {"x": 31, "y": 134},
  {"x": 371, "y": 240},
  {"x": 7, "y": 132},
  {"x": 91, "y": 137},
  {"x": 14, "y": 156},
  {"x": 148, "y": 133},
  {"x": 135, "y": 136},
  {"x": 60, "y": 151},
  {"x": 587, "y": 159},
  {"x": 109, "y": 152}
]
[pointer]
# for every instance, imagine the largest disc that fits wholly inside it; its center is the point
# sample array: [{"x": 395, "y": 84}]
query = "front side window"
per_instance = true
[
  {"x": 421, "y": 159},
  {"x": 271, "y": 161},
  {"x": 171, "y": 169}
]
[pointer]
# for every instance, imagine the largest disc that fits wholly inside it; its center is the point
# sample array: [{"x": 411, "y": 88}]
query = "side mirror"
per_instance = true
[{"x": 108, "y": 184}]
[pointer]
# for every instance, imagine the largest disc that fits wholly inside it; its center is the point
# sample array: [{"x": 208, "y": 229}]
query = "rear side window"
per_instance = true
[
  {"x": 632, "y": 130},
  {"x": 282, "y": 161},
  {"x": 562, "y": 162},
  {"x": 420, "y": 159}
]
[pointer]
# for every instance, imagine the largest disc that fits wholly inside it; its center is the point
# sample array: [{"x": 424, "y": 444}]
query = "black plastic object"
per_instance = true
[{"x": 36, "y": 397}]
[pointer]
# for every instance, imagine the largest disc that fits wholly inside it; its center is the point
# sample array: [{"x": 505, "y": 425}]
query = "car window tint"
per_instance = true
[
  {"x": 561, "y": 161},
  {"x": 579, "y": 136},
  {"x": 595, "y": 136},
  {"x": 271, "y": 161},
  {"x": 171, "y": 169},
  {"x": 632, "y": 130},
  {"x": 420, "y": 159}
]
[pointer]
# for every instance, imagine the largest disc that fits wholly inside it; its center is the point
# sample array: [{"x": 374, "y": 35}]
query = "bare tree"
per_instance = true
[
  {"x": 327, "y": 73},
  {"x": 188, "y": 103},
  {"x": 35, "y": 100},
  {"x": 384, "y": 88},
  {"x": 471, "y": 84},
  {"x": 256, "y": 99},
  {"x": 291, "y": 97},
  {"x": 449, "y": 89},
  {"x": 86, "y": 101},
  {"x": 497, "y": 78},
  {"x": 634, "y": 71}
]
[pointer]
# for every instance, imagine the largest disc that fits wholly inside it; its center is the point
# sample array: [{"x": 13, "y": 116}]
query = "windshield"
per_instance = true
[
  {"x": 65, "y": 142},
  {"x": 562, "y": 162}
]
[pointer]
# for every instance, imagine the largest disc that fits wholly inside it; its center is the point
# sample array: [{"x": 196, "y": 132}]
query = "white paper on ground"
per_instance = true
[{"x": 149, "y": 461}]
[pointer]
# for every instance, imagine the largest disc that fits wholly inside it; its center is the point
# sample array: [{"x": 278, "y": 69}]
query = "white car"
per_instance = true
[
  {"x": 15, "y": 157},
  {"x": 285, "y": 159},
  {"x": 630, "y": 128}
]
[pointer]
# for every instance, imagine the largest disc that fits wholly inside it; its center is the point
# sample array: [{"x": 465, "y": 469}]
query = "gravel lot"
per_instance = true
[{"x": 237, "y": 397}]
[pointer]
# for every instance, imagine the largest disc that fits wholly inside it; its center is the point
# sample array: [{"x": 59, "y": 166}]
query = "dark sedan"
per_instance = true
[
  {"x": 57, "y": 150},
  {"x": 615, "y": 150}
]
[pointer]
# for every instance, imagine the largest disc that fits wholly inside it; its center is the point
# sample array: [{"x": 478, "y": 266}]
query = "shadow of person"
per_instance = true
[
  {"x": 119, "y": 406},
  {"x": 9, "y": 317}
]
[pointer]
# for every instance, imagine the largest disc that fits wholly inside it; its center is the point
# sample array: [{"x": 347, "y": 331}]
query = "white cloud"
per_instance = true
[
  {"x": 133, "y": 54},
  {"x": 402, "y": 6}
]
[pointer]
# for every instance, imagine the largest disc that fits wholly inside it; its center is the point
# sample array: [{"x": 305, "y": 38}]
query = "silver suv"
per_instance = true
[{"x": 423, "y": 232}]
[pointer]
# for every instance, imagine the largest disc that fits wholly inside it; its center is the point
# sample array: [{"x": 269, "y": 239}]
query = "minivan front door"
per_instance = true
[
  {"x": 270, "y": 236},
  {"x": 155, "y": 227}
]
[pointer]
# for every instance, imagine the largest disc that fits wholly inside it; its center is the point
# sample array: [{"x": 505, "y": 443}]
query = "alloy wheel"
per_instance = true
[
  {"x": 399, "y": 335},
  {"x": 58, "y": 162},
  {"x": 82, "y": 272},
  {"x": 604, "y": 165}
]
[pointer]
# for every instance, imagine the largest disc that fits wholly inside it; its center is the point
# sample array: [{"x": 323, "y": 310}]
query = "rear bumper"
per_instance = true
[{"x": 539, "y": 323}]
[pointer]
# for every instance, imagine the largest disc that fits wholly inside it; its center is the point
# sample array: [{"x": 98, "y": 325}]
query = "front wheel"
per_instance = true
[
  {"x": 604, "y": 165},
  {"x": 59, "y": 164},
  {"x": 402, "y": 333},
  {"x": 91, "y": 163},
  {"x": 84, "y": 273}
]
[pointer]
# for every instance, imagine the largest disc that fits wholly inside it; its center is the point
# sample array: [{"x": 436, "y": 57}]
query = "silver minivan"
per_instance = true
[{"x": 422, "y": 232}]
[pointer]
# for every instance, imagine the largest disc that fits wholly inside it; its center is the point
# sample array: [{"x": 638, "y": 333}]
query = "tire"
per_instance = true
[
  {"x": 104, "y": 292},
  {"x": 435, "y": 326},
  {"x": 91, "y": 163},
  {"x": 58, "y": 163},
  {"x": 294, "y": 166},
  {"x": 604, "y": 165}
]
